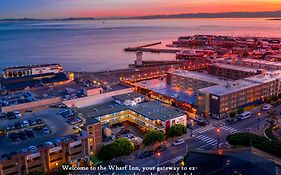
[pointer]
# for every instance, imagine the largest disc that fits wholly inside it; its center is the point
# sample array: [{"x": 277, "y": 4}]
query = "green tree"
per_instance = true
[
  {"x": 275, "y": 98},
  {"x": 119, "y": 147},
  {"x": 268, "y": 100},
  {"x": 152, "y": 137},
  {"x": 279, "y": 95},
  {"x": 240, "y": 110},
  {"x": 232, "y": 114},
  {"x": 246, "y": 139},
  {"x": 177, "y": 130}
]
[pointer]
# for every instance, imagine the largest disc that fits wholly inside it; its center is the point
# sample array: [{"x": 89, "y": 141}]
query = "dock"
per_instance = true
[{"x": 144, "y": 48}]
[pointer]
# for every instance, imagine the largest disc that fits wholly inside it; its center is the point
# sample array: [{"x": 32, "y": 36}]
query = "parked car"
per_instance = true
[
  {"x": 39, "y": 121},
  {"x": 11, "y": 115},
  {"x": 62, "y": 111},
  {"x": 232, "y": 120},
  {"x": 49, "y": 144},
  {"x": 160, "y": 148},
  {"x": 14, "y": 137},
  {"x": 30, "y": 134},
  {"x": 32, "y": 122},
  {"x": 178, "y": 142},
  {"x": 57, "y": 141},
  {"x": 76, "y": 127},
  {"x": 245, "y": 115},
  {"x": 265, "y": 107},
  {"x": 10, "y": 127},
  {"x": 24, "y": 123},
  {"x": 32, "y": 148},
  {"x": 17, "y": 114},
  {"x": 145, "y": 154},
  {"x": 22, "y": 135},
  {"x": 46, "y": 130},
  {"x": 3, "y": 114}
]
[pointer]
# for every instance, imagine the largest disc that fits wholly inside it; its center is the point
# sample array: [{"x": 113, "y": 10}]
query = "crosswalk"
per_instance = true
[
  {"x": 207, "y": 139},
  {"x": 204, "y": 129},
  {"x": 229, "y": 129}
]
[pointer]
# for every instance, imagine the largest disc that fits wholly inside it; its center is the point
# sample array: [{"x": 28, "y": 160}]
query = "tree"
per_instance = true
[
  {"x": 240, "y": 110},
  {"x": 246, "y": 139},
  {"x": 152, "y": 137},
  {"x": 177, "y": 130},
  {"x": 275, "y": 98},
  {"x": 279, "y": 95},
  {"x": 232, "y": 114},
  {"x": 119, "y": 147},
  {"x": 268, "y": 100}
]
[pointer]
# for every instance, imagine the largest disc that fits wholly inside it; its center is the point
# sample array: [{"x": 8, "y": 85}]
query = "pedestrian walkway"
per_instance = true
[
  {"x": 229, "y": 129},
  {"x": 204, "y": 129},
  {"x": 207, "y": 139}
]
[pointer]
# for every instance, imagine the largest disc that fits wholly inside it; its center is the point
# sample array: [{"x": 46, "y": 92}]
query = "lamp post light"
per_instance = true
[
  {"x": 218, "y": 130},
  {"x": 191, "y": 129},
  {"x": 259, "y": 120}
]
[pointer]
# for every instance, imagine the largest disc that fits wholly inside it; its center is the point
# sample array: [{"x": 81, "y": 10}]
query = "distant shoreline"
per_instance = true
[
  {"x": 273, "y": 15},
  {"x": 277, "y": 19}
]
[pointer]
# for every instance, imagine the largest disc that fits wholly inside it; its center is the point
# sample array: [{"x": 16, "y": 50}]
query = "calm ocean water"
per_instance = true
[{"x": 98, "y": 45}]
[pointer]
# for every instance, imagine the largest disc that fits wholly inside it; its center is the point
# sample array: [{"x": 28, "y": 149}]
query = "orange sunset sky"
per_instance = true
[{"x": 109, "y": 8}]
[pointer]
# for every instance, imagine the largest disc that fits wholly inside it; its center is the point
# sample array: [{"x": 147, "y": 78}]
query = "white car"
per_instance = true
[
  {"x": 24, "y": 123},
  {"x": 32, "y": 148},
  {"x": 178, "y": 142},
  {"x": 265, "y": 107},
  {"x": 49, "y": 144},
  {"x": 17, "y": 114}
]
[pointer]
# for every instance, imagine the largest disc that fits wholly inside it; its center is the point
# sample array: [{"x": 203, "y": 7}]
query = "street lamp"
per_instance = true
[
  {"x": 192, "y": 125},
  {"x": 218, "y": 130},
  {"x": 259, "y": 120}
]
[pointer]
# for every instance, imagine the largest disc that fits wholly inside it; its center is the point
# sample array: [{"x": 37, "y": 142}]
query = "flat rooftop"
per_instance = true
[
  {"x": 150, "y": 109},
  {"x": 200, "y": 76},
  {"x": 261, "y": 62},
  {"x": 241, "y": 84},
  {"x": 155, "y": 110},
  {"x": 101, "y": 109},
  {"x": 235, "y": 67},
  {"x": 161, "y": 87},
  {"x": 129, "y": 96}
]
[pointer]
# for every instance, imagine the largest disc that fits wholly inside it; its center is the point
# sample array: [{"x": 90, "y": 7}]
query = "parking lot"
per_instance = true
[{"x": 51, "y": 126}]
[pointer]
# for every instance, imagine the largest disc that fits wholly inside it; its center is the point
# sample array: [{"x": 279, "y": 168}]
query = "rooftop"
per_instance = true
[
  {"x": 200, "y": 76},
  {"x": 101, "y": 109},
  {"x": 128, "y": 96},
  {"x": 155, "y": 110},
  {"x": 238, "y": 85},
  {"x": 234, "y": 67},
  {"x": 161, "y": 87},
  {"x": 261, "y": 62},
  {"x": 31, "y": 66}
]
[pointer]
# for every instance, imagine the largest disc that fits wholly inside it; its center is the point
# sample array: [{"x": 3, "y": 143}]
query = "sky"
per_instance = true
[{"x": 118, "y": 8}]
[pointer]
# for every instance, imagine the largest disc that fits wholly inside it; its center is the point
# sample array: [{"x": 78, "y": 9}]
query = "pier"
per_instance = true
[{"x": 144, "y": 48}]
